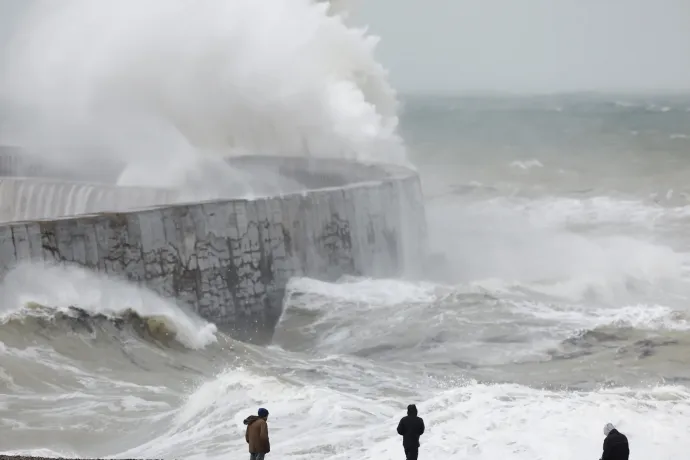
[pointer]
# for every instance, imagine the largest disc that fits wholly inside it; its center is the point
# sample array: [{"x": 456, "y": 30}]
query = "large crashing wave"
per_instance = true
[
  {"x": 45, "y": 297},
  {"x": 162, "y": 83}
]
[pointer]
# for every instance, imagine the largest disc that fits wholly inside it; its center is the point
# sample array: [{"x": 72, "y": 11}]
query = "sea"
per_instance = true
[{"x": 558, "y": 299}]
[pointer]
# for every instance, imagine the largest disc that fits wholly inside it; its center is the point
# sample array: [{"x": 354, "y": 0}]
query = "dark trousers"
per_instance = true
[
  {"x": 411, "y": 453},
  {"x": 256, "y": 456}
]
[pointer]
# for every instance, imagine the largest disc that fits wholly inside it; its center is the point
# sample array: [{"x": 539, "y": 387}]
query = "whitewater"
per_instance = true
[{"x": 558, "y": 301}]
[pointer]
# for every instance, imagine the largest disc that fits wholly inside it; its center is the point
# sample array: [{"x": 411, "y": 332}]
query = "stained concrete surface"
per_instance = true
[{"x": 230, "y": 260}]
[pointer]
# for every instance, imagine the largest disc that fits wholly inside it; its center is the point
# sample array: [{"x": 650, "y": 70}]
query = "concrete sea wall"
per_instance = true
[
  {"x": 230, "y": 260},
  {"x": 32, "y": 198}
]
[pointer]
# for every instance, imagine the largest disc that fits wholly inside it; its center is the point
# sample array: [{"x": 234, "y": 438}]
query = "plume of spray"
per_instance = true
[{"x": 166, "y": 88}]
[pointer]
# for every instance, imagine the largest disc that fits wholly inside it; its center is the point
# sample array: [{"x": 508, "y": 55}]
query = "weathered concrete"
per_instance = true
[{"x": 230, "y": 260}]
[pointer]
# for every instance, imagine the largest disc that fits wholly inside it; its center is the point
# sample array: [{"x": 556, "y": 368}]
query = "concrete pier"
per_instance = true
[{"x": 227, "y": 259}]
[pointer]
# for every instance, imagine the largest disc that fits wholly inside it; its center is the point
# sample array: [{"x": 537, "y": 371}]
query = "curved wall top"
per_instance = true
[
  {"x": 36, "y": 198},
  {"x": 230, "y": 259}
]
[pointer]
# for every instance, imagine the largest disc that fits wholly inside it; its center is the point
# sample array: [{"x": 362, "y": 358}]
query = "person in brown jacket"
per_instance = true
[{"x": 257, "y": 435}]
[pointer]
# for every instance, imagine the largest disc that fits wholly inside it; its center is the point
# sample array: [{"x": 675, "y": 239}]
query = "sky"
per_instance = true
[
  {"x": 531, "y": 46},
  {"x": 520, "y": 46},
  {"x": 8, "y": 12}
]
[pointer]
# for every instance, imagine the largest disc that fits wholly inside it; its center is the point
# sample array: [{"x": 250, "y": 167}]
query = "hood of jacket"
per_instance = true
[
  {"x": 412, "y": 410},
  {"x": 251, "y": 419}
]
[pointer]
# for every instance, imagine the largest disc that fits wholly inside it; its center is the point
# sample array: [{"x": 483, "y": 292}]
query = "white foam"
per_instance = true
[
  {"x": 429, "y": 322},
  {"x": 384, "y": 292},
  {"x": 526, "y": 165},
  {"x": 542, "y": 244},
  {"x": 654, "y": 317},
  {"x": 559, "y": 211},
  {"x": 358, "y": 314},
  {"x": 640, "y": 316},
  {"x": 477, "y": 421},
  {"x": 172, "y": 80},
  {"x": 64, "y": 287},
  {"x": 42, "y": 453},
  {"x": 131, "y": 403},
  {"x": 164, "y": 83}
]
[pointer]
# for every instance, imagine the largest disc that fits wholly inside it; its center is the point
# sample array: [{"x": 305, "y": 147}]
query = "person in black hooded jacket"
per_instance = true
[
  {"x": 411, "y": 428},
  {"x": 615, "y": 444}
]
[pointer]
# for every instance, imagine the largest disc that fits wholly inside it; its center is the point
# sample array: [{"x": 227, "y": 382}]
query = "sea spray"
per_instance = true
[
  {"x": 44, "y": 291},
  {"x": 163, "y": 85}
]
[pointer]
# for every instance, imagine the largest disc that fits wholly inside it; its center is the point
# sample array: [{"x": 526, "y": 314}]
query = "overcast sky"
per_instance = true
[
  {"x": 522, "y": 45},
  {"x": 532, "y": 45},
  {"x": 9, "y": 10}
]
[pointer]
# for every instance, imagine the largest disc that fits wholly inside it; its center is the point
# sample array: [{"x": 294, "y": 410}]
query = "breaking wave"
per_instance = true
[
  {"x": 79, "y": 300},
  {"x": 165, "y": 86}
]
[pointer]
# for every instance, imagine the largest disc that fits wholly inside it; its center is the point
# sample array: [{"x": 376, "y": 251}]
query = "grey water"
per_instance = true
[{"x": 559, "y": 303}]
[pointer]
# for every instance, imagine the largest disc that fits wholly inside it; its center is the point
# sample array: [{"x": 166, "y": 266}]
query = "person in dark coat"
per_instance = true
[
  {"x": 411, "y": 428},
  {"x": 615, "y": 444}
]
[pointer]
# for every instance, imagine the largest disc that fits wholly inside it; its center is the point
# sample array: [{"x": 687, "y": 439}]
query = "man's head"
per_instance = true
[
  {"x": 263, "y": 413},
  {"x": 411, "y": 409},
  {"x": 608, "y": 428}
]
